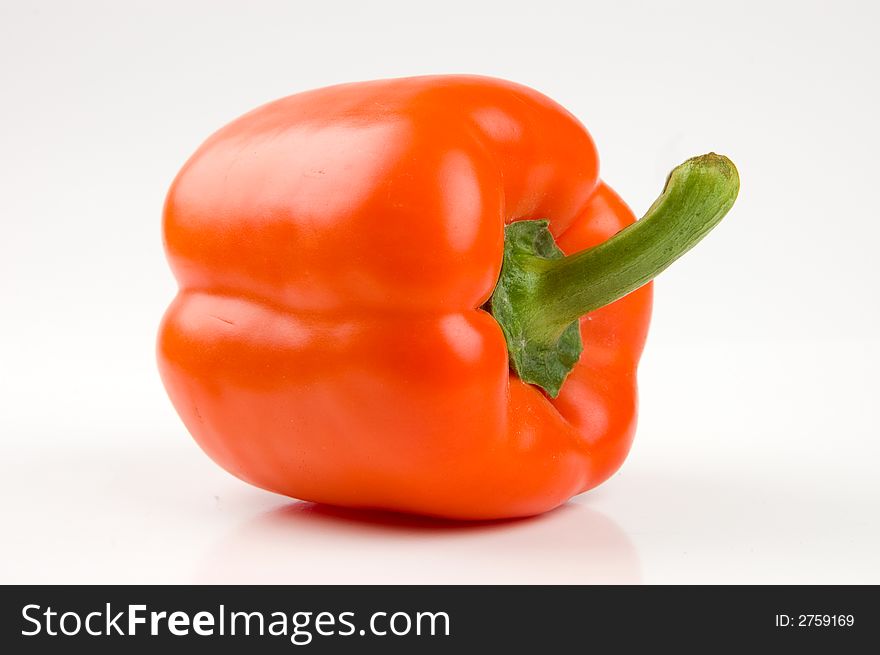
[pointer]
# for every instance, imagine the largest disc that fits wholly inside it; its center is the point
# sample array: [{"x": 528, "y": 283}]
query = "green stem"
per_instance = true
[
  {"x": 697, "y": 195},
  {"x": 541, "y": 293}
]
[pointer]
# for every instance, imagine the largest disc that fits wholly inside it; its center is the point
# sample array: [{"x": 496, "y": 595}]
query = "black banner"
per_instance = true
[{"x": 327, "y": 619}]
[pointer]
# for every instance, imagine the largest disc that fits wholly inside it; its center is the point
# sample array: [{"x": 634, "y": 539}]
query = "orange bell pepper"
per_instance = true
[{"x": 336, "y": 337}]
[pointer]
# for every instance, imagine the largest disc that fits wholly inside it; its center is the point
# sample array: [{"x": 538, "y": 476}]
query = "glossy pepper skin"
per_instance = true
[{"x": 334, "y": 250}]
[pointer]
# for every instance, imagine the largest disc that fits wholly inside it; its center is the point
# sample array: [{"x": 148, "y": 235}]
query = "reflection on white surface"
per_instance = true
[{"x": 574, "y": 545}]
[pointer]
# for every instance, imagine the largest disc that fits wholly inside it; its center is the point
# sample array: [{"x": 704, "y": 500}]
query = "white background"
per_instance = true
[{"x": 757, "y": 453}]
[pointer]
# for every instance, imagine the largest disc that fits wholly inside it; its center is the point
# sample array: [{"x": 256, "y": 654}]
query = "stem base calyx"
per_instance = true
[
  {"x": 538, "y": 353},
  {"x": 541, "y": 293}
]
